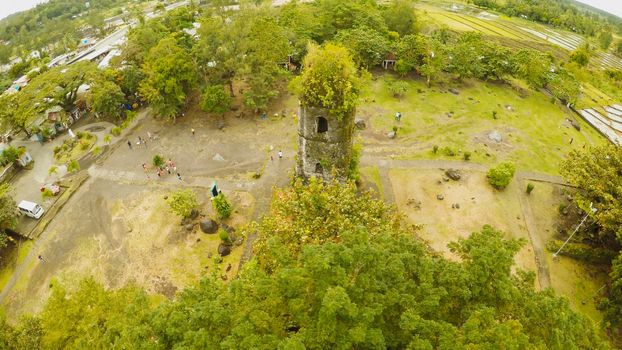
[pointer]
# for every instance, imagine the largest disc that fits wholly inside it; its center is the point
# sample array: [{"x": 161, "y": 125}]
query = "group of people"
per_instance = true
[
  {"x": 168, "y": 168},
  {"x": 140, "y": 141}
]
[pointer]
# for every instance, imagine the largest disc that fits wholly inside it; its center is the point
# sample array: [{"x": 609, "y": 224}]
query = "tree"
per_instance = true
[
  {"x": 329, "y": 80},
  {"x": 596, "y": 173},
  {"x": 8, "y": 212},
  {"x": 581, "y": 55},
  {"x": 532, "y": 66},
  {"x": 170, "y": 73},
  {"x": 605, "y": 39},
  {"x": 434, "y": 62},
  {"x": 106, "y": 98},
  {"x": 411, "y": 53},
  {"x": 216, "y": 100},
  {"x": 158, "y": 161},
  {"x": 400, "y": 17},
  {"x": 368, "y": 46},
  {"x": 563, "y": 86},
  {"x": 501, "y": 175},
  {"x": 398, "y": 88},
  {"x": 182, "y": 202}
]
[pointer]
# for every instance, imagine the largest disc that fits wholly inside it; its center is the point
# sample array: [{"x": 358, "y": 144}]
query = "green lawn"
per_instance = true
[{"x": 535, "y": 133}]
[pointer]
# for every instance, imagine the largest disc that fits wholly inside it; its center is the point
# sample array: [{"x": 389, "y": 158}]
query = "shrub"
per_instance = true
[
  {"x": 448, "y": 151},
  {"x": 107, "y": 139},
  {"x": 84, "y": 144},
  {"x": 96, "y": 151},
  {"x": 355, "y": 173},
  {"x": 52, "y": 170},
  {"x": 182, "y": 202},
  {"x": 583, "y": 252},
  {"x": 116, "y": 131},
  {"x": 501, "y": 175},
  {"x": 224, "y": 236},
  {"x": 158, "y": 161},
  {"x": 57, "y": 149},
  {"x": 10, "y": 155},
  {"x": 435, "y": 149},
  {"x": 494, "y": 114},
  {"x": 46, "y": 193},
  {"x": 80, "y": 135},
  {"x": 398, "y": 88},
  {"x": 217, "y": 259},
  {"x": 73, "y": 166},
  {"x": 530, "y": 187},
  {"x": 467, "y": 155},
  {"x": 222, "y": 206}
]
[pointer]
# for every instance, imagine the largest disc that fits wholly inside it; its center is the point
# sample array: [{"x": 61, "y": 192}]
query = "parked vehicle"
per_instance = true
[{"x": 30, "y": 209}]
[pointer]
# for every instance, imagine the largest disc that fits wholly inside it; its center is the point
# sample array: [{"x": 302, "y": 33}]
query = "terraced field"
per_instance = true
[{"x": 521, "y": 32}]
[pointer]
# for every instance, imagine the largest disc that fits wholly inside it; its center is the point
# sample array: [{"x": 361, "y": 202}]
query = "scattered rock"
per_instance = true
[
  {"x": 569, "y": 198},
  {"x": 414, "y": 203},
  {"x": 445, "y": 179},
  {"x": 194, "y": 213},
  {"x": 359, "y": 123},
  {"x": 470, "y": 98},
  {"x": 228, "y": 267},
  {"x": 495, "y": 136},
  {"x": 198, "y": 240},
  {"x": 209, "y": 226},
  {"x": 440, "y": 197},
  {"x": 453, "y": 174},
  {"x": 392, "y": 135},
  {"x": 509, "y": 108},
  {"x": 189, "y": 227},
  {"x": 185, "y": 221},
  {"x": 454, "y": 91},
  {"x": 455, "y": 206},
  {"x": 218, "y": 158},
  {"x": 227, "y": 228},
  {"x": 238, "y": 242},
  {"x": 256, "y": 175},
  {"x": 209, "y": 255},
  {"x": 220, "y": 124},
  {"x": 165, "y": 197},
  {"x": 224, "y": 249}
]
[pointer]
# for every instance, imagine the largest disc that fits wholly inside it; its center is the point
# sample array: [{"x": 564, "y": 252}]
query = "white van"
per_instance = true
[{"x": 31, "y": 209}]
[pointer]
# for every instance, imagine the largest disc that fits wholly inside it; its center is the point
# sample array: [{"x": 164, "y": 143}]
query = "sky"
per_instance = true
[{"x": 8, "y": 7}]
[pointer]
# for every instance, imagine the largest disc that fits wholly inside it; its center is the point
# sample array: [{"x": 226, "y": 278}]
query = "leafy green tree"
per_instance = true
[
  {"x": 411, "y": 53},
  {"x": 532, "y": 66},
  {"x": 596, "y": 173},
  {"x": 500, "y": 175},
  {"x": 106, "y": 98},
  {"x": 170, "y": 73},
  {"x": 158, "y": 161},
  {"x": 73, "y": 166},
  {"x": 563, "y": 86},
  {"x": 605, "y": 38},
  {"x": 141, "y": 39},
  {"x": 329, "y": 80},
  {"x": 581, "y": 56},
  {"x": 368, "y": 46},
  {"x": 8, "y": 212},
  {"x": 434, "y": 62},
  {"x": 399, "y": 15},
  {"x": 216, "y": 100},
  {"x": 182, "y": 202}
]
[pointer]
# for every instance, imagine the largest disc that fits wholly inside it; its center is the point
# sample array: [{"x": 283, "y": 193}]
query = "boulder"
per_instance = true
[
  {"x": 359, "y": 123},
  {"x": 440, "y": 197},
  {"x": 453, "y": 174},
  {"x": 392, "y": 135},
  {"x": 209, "y": 226},
  {"x": 454, "y": 91},
  {"x": 495, "y": 136},
  {"x": 189, "y": 227},
  {"x": 224, "y": 249}
]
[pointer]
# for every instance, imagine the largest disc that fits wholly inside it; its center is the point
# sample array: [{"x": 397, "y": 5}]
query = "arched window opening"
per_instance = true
[{"x": 322, "y": 125}]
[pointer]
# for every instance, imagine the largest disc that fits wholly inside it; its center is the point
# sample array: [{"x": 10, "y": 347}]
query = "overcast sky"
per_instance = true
[{"x": 8, "y": 7}]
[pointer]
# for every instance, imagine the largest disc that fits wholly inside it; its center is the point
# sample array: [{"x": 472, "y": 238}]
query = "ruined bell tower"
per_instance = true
[
  {"x": 328, "y": 93},
  {"x": 324, "y": 143}
]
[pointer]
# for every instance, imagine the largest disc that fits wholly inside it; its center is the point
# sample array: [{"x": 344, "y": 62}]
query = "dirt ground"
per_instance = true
[{"x": 479, "y": 205}]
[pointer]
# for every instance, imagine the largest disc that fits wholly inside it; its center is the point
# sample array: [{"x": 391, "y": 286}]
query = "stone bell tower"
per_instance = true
[{"x": 324, "y": 143}]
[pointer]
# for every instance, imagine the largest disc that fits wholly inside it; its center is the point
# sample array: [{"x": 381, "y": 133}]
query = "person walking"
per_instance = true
[
  {"x": 192, "y": 131},
  {"x": 149, "y": 135},
  {"x": 398, "y": 116},
  {"x": 280, "y": 154},
  {"x": 179, "y": 176},
  {"x": 40, "y": 257},
  {"x": 129, "y": 144}
]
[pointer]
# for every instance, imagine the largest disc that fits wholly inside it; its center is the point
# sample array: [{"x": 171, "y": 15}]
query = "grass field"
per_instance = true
[{"x": 535, "y": 131}]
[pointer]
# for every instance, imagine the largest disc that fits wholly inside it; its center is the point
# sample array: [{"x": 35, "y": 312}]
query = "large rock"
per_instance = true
[
  {"x": 495, "y": 136},
  {"x": 359, "y": 123},
  {"x": 453, "y": 174},
  {"x": 209, "y": 226},
  {"x": 224, "y": 249}
]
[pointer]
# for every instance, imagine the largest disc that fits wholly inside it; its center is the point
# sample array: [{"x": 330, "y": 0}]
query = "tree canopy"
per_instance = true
[{"x": 343, "y": 271}]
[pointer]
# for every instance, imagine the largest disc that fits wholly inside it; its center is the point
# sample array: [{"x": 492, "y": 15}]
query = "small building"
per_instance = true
[
  {"x": 389, "y": 61},
  {"x": 54, "y": 114}
]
